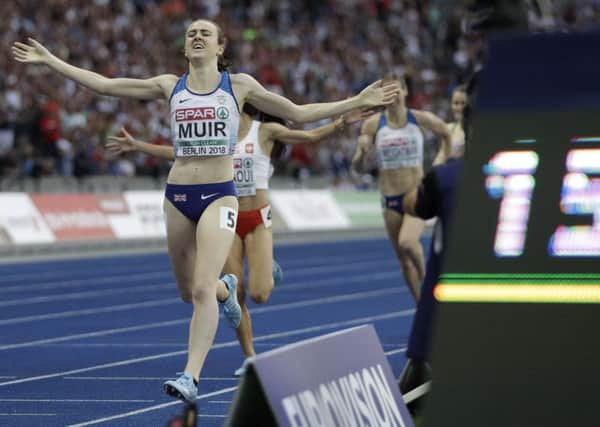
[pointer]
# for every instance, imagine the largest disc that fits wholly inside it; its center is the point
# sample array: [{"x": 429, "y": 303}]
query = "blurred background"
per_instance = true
[{"x": 52, "y": 134}]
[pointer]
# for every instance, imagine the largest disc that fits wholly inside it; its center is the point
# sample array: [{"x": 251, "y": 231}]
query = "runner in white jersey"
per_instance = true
[
  {"x": 396, "y": 134},
  {"x": 259, "y": 143},
  {"x": 198, "y": 248}
]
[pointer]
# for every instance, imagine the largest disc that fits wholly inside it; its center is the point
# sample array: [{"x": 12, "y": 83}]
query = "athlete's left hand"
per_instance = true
[
  {"x": 121, "y": 144},
  {"x": 356, "y": 116}
]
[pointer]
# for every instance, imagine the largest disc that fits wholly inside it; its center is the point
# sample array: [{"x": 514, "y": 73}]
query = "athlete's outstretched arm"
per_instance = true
[
  {"x": 155, "y": 87},
  {"x": 127, "y": 143},
  {"x": 440, "y": 128},
  {"x": 279, "y": 132},
  {"x": 373, "y": 95},
  {"x": 365, "y": 141}
]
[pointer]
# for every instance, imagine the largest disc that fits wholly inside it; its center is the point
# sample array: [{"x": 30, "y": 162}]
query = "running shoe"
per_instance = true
[
  {"x": 277, "y": 273},
  {"x": 241, "y": 370},
  {"x": 183, "y": 388},
  {"x": 231, "y": 308}
]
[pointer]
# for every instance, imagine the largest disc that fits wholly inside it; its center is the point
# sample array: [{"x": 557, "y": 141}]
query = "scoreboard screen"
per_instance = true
[{"x": 515, "y": 340}]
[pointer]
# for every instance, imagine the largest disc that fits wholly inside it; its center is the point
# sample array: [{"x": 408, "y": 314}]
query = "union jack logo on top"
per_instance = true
[{"x": 180, "y": 197}]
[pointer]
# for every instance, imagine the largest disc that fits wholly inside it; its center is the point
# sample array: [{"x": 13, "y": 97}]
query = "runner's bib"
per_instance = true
[
  {"x": 399, "y": 147},
  {"x": 243, "y": 176},
  {"x": 251, "y": 166}
]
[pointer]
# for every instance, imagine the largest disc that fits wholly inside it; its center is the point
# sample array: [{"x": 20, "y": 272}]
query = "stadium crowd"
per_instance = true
[{"x": 310, "y": 50}]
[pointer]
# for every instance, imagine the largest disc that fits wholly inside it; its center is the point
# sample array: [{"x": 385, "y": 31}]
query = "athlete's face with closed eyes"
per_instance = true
[{"x": 203, "y": 41}]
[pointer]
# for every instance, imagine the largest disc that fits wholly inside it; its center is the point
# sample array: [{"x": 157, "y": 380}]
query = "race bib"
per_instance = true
[
  {"x": 266, "y": 215},
  {"x": 201, "y": 131},
  {"x": 398, "y": 153},
  {"x": 227, "y": 218},
  {"x": 202, "y": 147},
  {"x": 243, "y": 176}
]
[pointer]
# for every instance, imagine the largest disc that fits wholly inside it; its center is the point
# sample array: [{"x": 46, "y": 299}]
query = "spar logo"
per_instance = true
[
  {"x": 223, "y": 113},
  {"x": 200, "y": 113}
]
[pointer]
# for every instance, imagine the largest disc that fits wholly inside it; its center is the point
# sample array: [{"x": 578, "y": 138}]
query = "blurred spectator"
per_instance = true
[
  {"x": 310, "y": 50},
  {"x": 50, "y": 129}
]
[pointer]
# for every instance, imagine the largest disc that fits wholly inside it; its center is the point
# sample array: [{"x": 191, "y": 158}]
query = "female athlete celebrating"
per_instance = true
[
  {"x": 398, "y": 139},
  {"x": 259, "y": 143},
  {"x": 200, "y": 204}
]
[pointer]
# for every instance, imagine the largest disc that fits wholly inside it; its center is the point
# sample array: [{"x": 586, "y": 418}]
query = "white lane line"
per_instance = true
[
  {"x": 272, "y": 308},
  {"x": 71, "y": 272},
  {"x": 392, "y": 352},
  {"x": 16, "y": 414},
  {"x": 303, "y": 261},
  {"x": 144, "y": 378},
  {"x": 168, "y": 275},
  {"x": 89, "y": 311},
  {"x": 151, "y": 408},
  {"x": 359, "y": 265},
  {"x": 158, "y": 345},
  {"x": 356, "y": 278},
  {"x": 100, "y": 333},
  {"x": 157, "y": 303},
  {"x": 82, "y": 295},
  {"x": 79, "y": 400},
  {"x": 140, "y": 345},
  {"x": 293, "y": 332},
  {"x": 86, "y": 281},
  {"x": 219, "y": 401},
  {"x": 144, "y": 273},
  {"x": 120, "y": 345}
]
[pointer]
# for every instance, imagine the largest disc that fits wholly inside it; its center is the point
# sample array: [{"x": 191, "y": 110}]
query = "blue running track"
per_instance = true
[{"x": 90, "y": 341}]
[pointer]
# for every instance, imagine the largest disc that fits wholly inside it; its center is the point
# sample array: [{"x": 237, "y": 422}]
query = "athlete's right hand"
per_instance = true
[
  {"x": 379, "y": 93},
  {"x": 32, "y": 53},
  {"x": 121, "y": 144}
]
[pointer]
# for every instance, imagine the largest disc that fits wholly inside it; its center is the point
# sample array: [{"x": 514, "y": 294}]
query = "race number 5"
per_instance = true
[
  {"x": 580, "y": 195},
  {"x": 228, "y": 218},
  {"x": 510, "y": 178}
]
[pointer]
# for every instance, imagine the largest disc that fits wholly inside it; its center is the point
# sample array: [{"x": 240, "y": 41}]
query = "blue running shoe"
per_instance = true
[
  {"x": 231, "y": 308},
  {"x": 182, "y": 388},
  {"x": 277, "y": 273}
]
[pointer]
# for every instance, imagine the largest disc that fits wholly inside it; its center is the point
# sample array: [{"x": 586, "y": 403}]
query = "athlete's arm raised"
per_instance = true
[
  {"x": 275, "y": 131},
  {"x": 373, "y": 95},
  {"x": 155, "y": 87},
  {"x": 127, "y": 143},
  {"x": 438, "y": 126},
  {"x": 365, "y": 141}
]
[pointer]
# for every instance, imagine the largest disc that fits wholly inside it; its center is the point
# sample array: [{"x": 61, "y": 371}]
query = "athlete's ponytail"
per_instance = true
[
  {"x": 278, "y": 147},
  {"x": 223, "y": 63}
]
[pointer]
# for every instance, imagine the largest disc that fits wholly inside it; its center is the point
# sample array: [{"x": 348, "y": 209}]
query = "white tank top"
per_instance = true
[
  {"x": 204, "y": 124},
  {"x": 251, "y": 165},
  {"x": 399, "y": 148}
]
